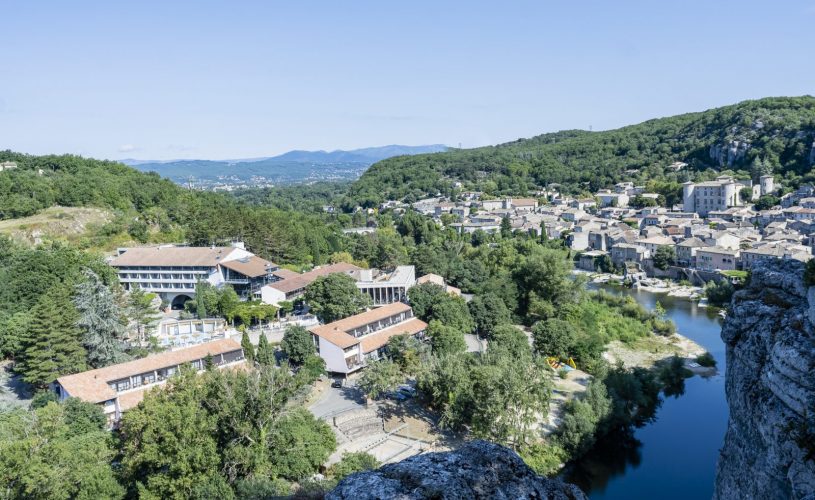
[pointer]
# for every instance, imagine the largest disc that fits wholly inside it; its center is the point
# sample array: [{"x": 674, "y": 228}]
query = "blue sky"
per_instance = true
[{"x": 199, "y": 79}]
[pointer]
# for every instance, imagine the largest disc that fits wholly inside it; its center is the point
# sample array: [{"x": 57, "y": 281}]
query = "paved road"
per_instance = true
[
  {"x": 337, "y": 401},
  {"x": 473, "y": 344},
  {"x": 13, "y": 391}
]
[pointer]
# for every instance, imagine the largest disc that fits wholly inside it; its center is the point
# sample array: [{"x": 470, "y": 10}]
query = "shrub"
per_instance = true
[
  {"x": 809, "y": 273},
  {"x": 260, "y": 488},
  {"x": 42, "y": 398},
  {"x": 664, "y": 327},
  {"x": 351, "y": 463},
  {"x": 544, "y": 459},
  {"x": 706, "y": 359},
  {"x": 719, "y": 294}
]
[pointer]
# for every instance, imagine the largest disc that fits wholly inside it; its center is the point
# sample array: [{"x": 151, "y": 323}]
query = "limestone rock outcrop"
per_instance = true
[
  {"x": 770, "y": 384},
  {"x": 476, "y": 470},
  {"x": 728, "y": 154}
]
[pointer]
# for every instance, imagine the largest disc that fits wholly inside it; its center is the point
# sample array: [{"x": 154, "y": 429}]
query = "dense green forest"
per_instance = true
[
  {"x": 311, "y": 198},
  {"x": 151, "y": 209},
  {"x": 779, "y": 133}
]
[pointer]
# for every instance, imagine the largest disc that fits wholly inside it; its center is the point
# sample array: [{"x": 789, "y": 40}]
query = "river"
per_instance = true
[{"x": 675, "y": 455}]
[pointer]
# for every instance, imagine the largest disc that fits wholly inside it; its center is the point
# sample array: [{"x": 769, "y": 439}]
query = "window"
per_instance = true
[{"x": 120, "y": 385}]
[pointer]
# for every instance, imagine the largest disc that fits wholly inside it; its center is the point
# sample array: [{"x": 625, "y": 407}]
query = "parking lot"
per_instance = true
[{"x": 338, "y": 400}]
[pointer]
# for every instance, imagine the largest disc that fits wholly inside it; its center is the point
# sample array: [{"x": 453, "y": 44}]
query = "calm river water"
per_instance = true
[{"x": 674, "y": 456}]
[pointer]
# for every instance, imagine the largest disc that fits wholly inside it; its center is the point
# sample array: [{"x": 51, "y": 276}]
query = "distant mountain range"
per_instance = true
[{"x": 292, "y": 167}]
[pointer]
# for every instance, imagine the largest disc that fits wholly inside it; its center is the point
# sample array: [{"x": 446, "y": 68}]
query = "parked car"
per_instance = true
[
  {"x": 336, "y": 384},
  {"x": 407, "y": 390},
  {"x": 396, "y": 395}
]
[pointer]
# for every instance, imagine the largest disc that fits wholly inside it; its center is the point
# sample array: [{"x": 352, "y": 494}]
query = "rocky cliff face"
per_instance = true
[
  {"x": 476, "y": 470},
  {"x": 726, "y": 155},
  {"x": 770, "y": 383}
]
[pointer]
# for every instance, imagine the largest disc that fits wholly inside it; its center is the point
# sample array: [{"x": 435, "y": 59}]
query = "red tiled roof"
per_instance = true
[
  {"x": 92, "y": 385},
  {"x": 376, "y": 340},
  {"x": 336, "y": 332},
  {"x": 252, "y": 267},
  {"x": 290, "y": 284},
  {"x": 172, "y": 256}
]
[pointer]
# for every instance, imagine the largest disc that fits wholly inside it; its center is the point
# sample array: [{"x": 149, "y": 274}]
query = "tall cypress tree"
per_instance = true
[
  {"x": 265, "y": 354},
  {"x": 53, "y": 345},
  {"x": 248, "y": 348}
]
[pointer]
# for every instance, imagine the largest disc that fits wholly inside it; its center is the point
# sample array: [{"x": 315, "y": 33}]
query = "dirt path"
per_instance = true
[{"x": 574, "y": 384}]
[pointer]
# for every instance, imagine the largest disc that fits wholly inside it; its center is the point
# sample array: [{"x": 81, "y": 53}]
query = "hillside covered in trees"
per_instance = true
[
  {"x": 775, "y": 133},
  {"x": 149, "y": 209}
]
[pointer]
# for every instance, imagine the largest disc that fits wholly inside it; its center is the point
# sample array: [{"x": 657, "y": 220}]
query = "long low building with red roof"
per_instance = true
[
  {"x": 120, "y": 387},
  {"x": 348, "y": 344}
]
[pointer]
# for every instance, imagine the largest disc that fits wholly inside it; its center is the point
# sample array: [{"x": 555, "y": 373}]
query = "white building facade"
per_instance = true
[
  {"x": 349, "y": 344},
  {"x": 386, "y": 287},
  {"x": 172, "y": 271}
]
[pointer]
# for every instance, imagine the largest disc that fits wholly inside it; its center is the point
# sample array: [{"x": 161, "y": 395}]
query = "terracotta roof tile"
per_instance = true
[
  {"x": 131, "y": 399},
  {"x": 376, "y": 340},
  {"x": 92, "y": 385},
  {"x": 364, "y": 318},
  {"x": 298, "y": 281},
  {"x": 336, "y": 332},
  {"x": 252, "y": 267},
  {"x": 285, "y": 273},
  {"x": 172, "y": 256}
]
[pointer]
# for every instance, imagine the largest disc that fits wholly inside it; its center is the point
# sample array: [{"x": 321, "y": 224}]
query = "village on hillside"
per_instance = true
[{"x": 716, "y": 232}]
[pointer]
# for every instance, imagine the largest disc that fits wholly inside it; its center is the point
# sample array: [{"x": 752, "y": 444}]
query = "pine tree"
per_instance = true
[
  {"x": 53, "y": 346},
  {"x": 760, "y": 167},
  {"x": 265, "y": 354},
  {"x": 248, "y": 348},
  {"x": 101, "y": 321}
]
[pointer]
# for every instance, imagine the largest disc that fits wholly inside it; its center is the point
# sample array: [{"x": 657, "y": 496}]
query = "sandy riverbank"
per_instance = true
[{"x": 647, "y": 352}]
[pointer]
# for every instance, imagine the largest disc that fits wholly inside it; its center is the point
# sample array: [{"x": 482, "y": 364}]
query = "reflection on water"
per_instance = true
[
  {"x": 675, "y": 455},
  {"x": 675, "y": 388},
  {"x": 612, "y": 456}
]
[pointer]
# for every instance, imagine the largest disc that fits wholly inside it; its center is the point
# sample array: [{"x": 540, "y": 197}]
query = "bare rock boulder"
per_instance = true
[{"x": 476, "y": 470}]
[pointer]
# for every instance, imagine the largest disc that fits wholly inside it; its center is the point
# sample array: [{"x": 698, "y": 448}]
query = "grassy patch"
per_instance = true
[{"x": 654, "y": 345}]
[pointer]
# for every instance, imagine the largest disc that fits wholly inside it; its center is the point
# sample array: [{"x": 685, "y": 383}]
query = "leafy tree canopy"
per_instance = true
[{"x": 335, "y": 296}]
